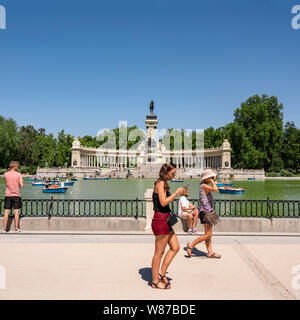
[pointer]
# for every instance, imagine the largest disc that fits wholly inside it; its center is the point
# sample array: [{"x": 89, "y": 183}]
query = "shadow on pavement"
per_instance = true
[
  {"x": 146, "y": 274},
  {"x": 196, "y": 252}
]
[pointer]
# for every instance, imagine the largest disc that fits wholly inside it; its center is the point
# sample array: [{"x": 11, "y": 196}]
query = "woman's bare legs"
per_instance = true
[
  {"x": 208, "y": 229},
  {"x": 160, "y": 246},
  {"x": 174, "y": 248},
  {"x": 207, "y": 238}
]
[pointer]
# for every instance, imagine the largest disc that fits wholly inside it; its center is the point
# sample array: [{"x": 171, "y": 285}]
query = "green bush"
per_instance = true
[
  {"x": 273, "y": 174},
  {"x": 2, "y": 171},
  {"x": 282, "y": 173},
  {"x": 286, "y": 173},
  {"x": 28, "y": 169}
]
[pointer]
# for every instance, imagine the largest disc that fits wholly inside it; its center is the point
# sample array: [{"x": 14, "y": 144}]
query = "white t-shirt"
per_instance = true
[{"x": 183, "y": 202}]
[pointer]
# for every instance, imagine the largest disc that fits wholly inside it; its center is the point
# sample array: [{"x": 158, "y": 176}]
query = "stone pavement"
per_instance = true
[{"x": 118, "y": 266}]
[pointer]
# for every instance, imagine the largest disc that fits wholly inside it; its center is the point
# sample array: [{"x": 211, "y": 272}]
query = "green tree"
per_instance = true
[
  {"x": 63, "y": 152},
  {"x": 28, "y": 136},
  {"x": 259, "y": 119},
  {"x": 291, "y": 147},
  {"x": 9, "y": 142},
  {"x": 47, "y": 147}
]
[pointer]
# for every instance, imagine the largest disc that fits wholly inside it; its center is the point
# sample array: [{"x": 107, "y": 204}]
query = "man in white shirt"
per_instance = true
[{"x": 188, "y": 212}]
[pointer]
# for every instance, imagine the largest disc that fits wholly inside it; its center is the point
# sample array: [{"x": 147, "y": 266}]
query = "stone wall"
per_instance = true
[
  {"x": 241, "y": 174},
  {"x": 114, "y": 224},
  {"x": 151, "y": 171},
  {"x": 77, "y": 172}
]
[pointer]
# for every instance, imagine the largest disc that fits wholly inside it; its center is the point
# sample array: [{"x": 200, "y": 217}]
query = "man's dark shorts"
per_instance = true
[{"x": 12, "y": 202}]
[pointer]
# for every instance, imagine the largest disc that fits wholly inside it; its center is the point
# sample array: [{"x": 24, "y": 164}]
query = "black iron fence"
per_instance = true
[
  {"x": 137, "y": 208},
  {"x": 81, "y": 208},
  {"x": 253, "y": 208}
]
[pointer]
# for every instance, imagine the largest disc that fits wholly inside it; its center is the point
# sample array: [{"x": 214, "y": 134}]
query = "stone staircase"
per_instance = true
[{"x": 152, "y": 171}]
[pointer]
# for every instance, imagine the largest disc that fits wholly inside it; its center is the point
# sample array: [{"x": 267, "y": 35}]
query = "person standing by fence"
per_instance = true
[
  {"x": 12, "y": 200},
  {"x": 207, "y": 214},
  {"x": 164, "y": 234}
]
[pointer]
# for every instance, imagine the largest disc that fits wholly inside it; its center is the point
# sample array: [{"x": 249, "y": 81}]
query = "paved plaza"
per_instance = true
[{"x": 118, "y": 266}]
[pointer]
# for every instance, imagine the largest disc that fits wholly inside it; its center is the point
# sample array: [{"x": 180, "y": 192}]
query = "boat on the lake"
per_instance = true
[
  {"x": 69, "y": 183},
  {"x": 34, "y": 180},
  {"x": 74, "y": 179},
  {"x": 224, "y": 184},
  {"x": 231, "y": 190},
  {"x": 38, "y": 184},
  {"x": 85, "y": 178},
  {"x": 177, "y": 180},
  {"x": 251, "y": 178},
  {"x": 55, "y": 190}
]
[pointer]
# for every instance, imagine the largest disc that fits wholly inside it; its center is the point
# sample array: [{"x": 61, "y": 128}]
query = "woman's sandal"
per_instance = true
[
  {"x": 163, "y": 280},
  {"x": 189, "y": 248},
  {"x": 155, "y": 285},
  {"x": 214, "y": 255}
]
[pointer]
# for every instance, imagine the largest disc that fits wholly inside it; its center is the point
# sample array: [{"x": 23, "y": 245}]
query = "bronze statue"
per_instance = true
[{"x": 151, "y": 106}]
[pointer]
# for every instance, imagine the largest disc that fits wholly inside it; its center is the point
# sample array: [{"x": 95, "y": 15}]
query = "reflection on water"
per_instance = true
[{"x": 135, "y": 188}]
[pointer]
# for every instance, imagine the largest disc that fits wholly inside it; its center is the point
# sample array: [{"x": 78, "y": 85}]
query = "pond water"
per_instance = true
[{"x": 135, "y": 188}]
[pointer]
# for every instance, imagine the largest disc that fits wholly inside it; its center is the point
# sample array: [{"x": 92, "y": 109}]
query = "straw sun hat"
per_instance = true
[{"x": 207, "y": 173}]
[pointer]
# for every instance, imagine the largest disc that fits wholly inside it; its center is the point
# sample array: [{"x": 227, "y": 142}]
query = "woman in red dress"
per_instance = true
[{"x": 163, "y": 233}]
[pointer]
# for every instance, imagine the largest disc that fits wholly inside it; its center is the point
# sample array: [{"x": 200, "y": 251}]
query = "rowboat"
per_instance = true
[
  {"x": 251, "y": 178},
  {"x": 35, "y": 180},
  {"x": 38, "y": 184},
  {"x": 43, "y": 183},
  {"x": 177, "y": 180},
  {"x": 70, "y": 183},
  {"x": 95, "y": 178},
  {"x": 55, "y": 190},
  {"x": 232, "y": 190},
  {"x": 223, "y": 184},
  {"x": 74, "y": 179}
]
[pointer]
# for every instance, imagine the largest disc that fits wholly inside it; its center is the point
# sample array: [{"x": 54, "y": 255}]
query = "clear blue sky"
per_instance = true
[{"x": 85, "y": 65}]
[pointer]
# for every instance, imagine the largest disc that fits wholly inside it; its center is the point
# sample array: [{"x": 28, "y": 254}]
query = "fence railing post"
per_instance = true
[
  {"x": 149, "y": 208},
  {"x": 50, "y": 209},
  {"x": 136, "y": 207},
  {"x": 269, "y": 209}
]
